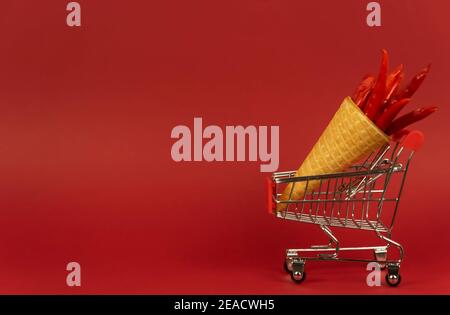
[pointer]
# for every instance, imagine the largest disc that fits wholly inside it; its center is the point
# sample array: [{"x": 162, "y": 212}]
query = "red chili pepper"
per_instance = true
[
  {"x": 393, "y": 81},
  {"x": 395, "y": 72},
  {"x": 414, "y": 84},
  {"x": 391, "y": 111},
  {"x": 363, "y": 90},
  {"x": 379, "y": 91},
  {"x": 365, "y": 96},
  {"x": 410, "y": 118},
  {"x": 392, "y": 84}
]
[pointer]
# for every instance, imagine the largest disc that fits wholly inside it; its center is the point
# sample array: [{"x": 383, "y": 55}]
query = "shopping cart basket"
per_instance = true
[{"x": 365, "y": 197}]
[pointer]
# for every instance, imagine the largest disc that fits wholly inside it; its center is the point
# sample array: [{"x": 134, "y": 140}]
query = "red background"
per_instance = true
[{"x": 85, "y": 121}]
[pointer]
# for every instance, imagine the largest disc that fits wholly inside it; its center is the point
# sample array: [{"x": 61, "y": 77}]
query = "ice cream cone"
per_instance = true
[{"x": 349, "y": 137}]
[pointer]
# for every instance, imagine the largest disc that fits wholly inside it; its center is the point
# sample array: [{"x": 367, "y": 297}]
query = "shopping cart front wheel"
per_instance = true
[
  {"x": 393, "y": 280},
  {"x": 298, "y": 276}
]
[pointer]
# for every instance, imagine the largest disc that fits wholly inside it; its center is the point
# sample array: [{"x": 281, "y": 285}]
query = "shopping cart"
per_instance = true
[{"x": 365, "y": 197}]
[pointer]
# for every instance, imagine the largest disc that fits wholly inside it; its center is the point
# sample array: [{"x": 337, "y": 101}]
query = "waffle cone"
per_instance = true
[{"x": 349, "y": 137}]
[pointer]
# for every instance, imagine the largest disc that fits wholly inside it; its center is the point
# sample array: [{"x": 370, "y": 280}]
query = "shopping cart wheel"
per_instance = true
[
  {"x": 298, "y": 276},
  {"x": 298, "y": 270},
  {"x": 393, "y": 280},
  {"x": 393, "y": 277}
]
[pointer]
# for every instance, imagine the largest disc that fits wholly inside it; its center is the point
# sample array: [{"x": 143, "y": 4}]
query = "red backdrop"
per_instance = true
[{"x": 85, "y": 119}]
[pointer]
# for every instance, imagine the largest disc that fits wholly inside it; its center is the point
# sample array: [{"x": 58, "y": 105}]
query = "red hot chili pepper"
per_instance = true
[
  {"x": 393, "y": 81},
  {"x": 415, "y": 83},
  {"x": 366, "y": 93},
  {"x": 391, "y": 111},
  {"x": 363, "y": 90},
  {"x": 379, "y": 91},
  {"x": 410, "y": 118},
  {"x": 392, "y": 84},
  {"x": 391, "y": 90},
  {"x": 395, "y": 73}
]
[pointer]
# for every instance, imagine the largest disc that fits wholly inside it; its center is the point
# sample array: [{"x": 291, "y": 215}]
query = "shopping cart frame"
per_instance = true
[{"x": 355, "y": 199}]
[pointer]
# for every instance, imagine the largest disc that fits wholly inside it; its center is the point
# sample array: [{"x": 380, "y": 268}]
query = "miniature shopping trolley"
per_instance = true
[{"x": 365, "y": 197}]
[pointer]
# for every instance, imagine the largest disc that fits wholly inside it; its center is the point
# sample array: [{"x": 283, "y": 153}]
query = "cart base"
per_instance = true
[{"x": 295, "y": 260}]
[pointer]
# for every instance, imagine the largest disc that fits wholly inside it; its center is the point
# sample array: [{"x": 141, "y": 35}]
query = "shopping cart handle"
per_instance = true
[
  {"x": 414, "y": 140},
  {"x": 270, "y": 186}
]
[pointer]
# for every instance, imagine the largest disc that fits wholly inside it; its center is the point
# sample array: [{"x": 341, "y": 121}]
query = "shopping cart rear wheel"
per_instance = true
[
  {"x": 393, "y": 279},
  {"x": 298, "y": 276}
]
